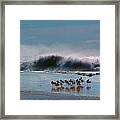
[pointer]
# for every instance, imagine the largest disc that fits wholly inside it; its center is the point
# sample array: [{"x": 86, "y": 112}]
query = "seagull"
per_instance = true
[
  {"x": 67, "y": 82},
  {"x": 62, "y": 81},
  {"x": 88, "y": 82}
]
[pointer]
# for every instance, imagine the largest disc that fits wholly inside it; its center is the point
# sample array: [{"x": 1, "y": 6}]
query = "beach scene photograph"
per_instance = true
[{"x": 59, "y": 59}]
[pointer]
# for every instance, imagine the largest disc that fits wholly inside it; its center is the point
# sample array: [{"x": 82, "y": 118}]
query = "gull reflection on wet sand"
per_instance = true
[{"x": 76, "y": 89}]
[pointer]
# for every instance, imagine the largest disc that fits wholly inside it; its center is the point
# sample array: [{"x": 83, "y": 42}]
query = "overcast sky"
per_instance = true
[{"x": 70, "y": 38}]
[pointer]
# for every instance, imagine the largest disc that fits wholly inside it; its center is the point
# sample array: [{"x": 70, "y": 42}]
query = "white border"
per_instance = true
[{"x": 15, "y": 13}]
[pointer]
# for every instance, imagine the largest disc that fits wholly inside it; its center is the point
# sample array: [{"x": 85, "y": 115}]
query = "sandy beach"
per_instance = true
[{"x": 40, "y": 95}]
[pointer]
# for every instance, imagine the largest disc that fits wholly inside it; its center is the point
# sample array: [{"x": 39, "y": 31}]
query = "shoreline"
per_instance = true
[
  {"x": 40, "y": 95},
  {"x": 60, "y": 72}
]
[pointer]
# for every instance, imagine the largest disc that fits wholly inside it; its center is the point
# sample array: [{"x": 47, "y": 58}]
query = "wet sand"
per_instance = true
[{"x": 40, "y": 95}]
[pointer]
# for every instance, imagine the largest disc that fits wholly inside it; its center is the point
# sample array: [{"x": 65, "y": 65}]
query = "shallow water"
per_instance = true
[{"x": 41, "y": 81}]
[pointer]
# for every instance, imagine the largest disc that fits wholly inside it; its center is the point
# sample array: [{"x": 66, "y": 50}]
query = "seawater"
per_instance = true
[{"x": 41, "y": 81}]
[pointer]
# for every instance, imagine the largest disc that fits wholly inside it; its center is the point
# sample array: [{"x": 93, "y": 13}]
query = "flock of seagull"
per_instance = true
[{"x": 71, "y": 83}]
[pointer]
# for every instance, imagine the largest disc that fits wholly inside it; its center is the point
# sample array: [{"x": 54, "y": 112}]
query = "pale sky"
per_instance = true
[{"x": 69, "y": 38}]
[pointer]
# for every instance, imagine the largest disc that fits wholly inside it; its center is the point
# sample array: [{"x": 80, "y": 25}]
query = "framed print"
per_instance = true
[{"x": 60, "y": 59}]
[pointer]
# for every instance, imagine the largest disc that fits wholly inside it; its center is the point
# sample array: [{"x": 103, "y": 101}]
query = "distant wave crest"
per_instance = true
[{"x": 55, "y": 62}]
